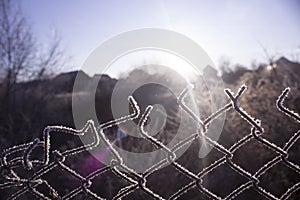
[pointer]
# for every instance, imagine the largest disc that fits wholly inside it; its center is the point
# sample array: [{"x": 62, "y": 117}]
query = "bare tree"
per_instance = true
[
  {"x": 225, "y": 64},
  {"x": 50, "y": 57},
  {"x": 21, "y": 58},
  {"x": 270, "y": 58},
  {"x": 16, "y": 42}
]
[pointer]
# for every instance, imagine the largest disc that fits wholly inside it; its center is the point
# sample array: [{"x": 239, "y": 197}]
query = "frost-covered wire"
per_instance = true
[{"x": 53, "y": 158}]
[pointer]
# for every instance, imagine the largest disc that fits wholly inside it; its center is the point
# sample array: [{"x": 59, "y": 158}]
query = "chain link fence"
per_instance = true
[{"x": 20, "y": 156}]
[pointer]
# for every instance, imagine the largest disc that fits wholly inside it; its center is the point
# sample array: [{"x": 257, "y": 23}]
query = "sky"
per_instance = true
[{"x": 225, "y": 29}]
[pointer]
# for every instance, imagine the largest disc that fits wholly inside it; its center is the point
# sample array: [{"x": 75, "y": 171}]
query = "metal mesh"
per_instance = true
[{"x": 56, "y": 159}]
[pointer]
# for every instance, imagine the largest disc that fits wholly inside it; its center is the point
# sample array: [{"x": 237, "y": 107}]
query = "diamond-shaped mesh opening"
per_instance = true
[
  {"x": 191, "y": 161},
  {"x": 157, "y": 181},
  {"x": 256, "y": 153},
  {"x": 278, "y": 179},
  {"x": 223, "y": 180},
  {"x": 107, "y": 184},
  {"x": 67, "y": 181}
]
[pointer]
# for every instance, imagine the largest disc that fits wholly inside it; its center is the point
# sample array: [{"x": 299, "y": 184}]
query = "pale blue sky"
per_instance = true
[{"x": 222, "y": 27}]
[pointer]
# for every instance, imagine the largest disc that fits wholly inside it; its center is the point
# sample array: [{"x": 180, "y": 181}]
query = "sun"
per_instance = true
[{"x": 147, "y": 57}]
